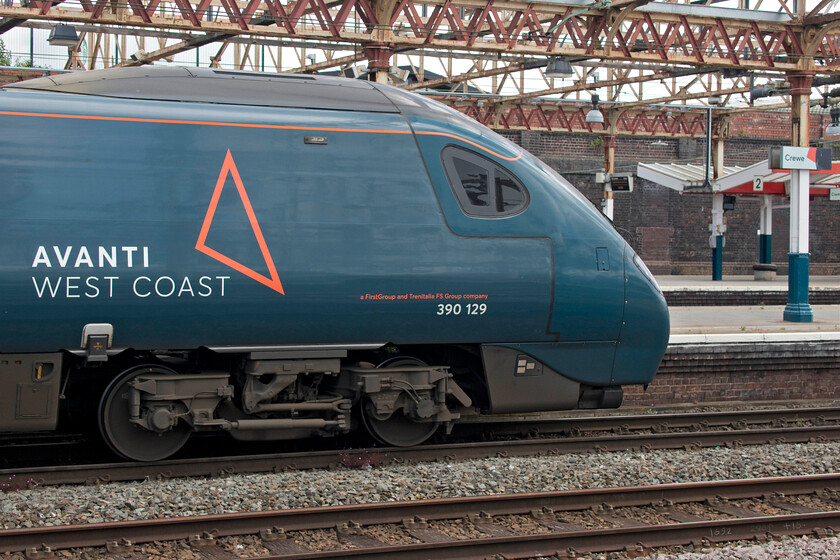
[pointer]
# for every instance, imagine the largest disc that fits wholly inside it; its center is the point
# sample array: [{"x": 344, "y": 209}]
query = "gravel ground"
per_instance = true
[
  {"x": 787, "y": 548},
  {"x": 185, "y": 497}
]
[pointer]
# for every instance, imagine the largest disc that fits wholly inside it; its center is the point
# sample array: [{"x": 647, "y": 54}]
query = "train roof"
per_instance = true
[{"x": 209, "y": 85}]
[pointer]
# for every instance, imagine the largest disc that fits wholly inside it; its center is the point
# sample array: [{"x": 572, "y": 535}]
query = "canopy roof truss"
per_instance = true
[{"x": 485, "y": 56}]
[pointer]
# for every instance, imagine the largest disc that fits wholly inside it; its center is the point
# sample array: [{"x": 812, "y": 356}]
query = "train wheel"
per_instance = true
[
  {"x": 397, "y": 430},
  {"x": 128, "y": 439}
]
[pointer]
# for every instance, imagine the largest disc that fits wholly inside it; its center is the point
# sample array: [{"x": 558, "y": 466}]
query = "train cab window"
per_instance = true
[{"x": 483, "y": 188}]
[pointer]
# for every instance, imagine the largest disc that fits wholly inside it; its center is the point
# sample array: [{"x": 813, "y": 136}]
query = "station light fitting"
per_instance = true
[
  {"x": 358, "y": 71},
  {"x": 559, "y": 67},
  {"x": 761, "y": 92},
  {"x": 139, "y": 56},
  {"x": 828, "y": 95},
  {"x": 834, "y": 128},
  {"x": 398, "y": 76},
  {"x": 773, "y": 91},
  {"x": 63, "y": 35},
  {"x": 594, "y": 115}
]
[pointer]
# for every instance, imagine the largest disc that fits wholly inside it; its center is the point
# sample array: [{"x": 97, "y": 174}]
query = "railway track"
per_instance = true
[
  {"x": 658, "y": 423},
  {"x": 516, "y": 526},
  {"x": 608, "y": 433}
]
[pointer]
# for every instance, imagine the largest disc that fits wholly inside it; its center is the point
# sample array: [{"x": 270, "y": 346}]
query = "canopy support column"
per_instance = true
[
  {"x": 379, "y": 60},
  {"x": 717, "y": 227},
  {"x": 798, "y": 309},
  {"x": 765, "y": 237},
  {"x": 716, "y": 241},
  {"x": 609, "y": 167}
]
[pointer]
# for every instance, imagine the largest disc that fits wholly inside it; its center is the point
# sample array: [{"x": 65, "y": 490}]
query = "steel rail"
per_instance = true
[
  {"x": 216, "y": 466},
  {"x": 249, "y": 523},
  {"x": 690, "y": 420},
  {"x": 592, "y": 540}
]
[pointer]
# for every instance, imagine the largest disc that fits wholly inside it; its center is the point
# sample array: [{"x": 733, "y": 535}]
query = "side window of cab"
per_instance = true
[{"x": 484, "y": 189}]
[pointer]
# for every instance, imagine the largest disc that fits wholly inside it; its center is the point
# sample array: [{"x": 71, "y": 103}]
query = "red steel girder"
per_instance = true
[
  {"x": 489, "y": 25},
  {"x": 572, "y": 118}
]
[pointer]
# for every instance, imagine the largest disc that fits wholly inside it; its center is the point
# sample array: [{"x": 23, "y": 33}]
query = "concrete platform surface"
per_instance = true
[
  {"x": 747, "y": 323},
  {"x": 699, "y": 325},
  {"x": 741, "y": 283}
]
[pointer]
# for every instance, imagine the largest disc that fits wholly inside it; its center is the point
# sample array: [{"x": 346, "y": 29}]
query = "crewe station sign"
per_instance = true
[{"x": 789, "y": 157}]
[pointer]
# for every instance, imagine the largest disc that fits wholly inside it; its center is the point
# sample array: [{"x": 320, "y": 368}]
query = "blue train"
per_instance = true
[{"x": 282, "y": 256}]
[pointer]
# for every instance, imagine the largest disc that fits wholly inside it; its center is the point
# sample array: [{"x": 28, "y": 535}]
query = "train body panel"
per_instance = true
[
  {"x": 587, "y": 254},
  {"x": 347, "y": 229},
  {"x": 285, "y": 256}
]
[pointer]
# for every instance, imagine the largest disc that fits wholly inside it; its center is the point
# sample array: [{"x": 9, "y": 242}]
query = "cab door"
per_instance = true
[{"x": 488, "y": 209}]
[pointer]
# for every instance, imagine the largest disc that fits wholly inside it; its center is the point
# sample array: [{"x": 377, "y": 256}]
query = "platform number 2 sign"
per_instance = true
[{"x": 758, "y": 184}]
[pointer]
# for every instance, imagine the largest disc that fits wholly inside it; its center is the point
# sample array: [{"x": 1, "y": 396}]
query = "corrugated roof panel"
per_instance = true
[
  {"x": 689, "y": 174},
  {"x": 679, "y": 176}
]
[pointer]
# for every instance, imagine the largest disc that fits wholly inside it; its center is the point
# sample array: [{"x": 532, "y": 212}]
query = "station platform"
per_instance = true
[
  {"x": 682, "y": 283},
  {"x": 743, "y": 290},
  {"x": 715, "y": 321},
  {"x": 722, "y": 350}
]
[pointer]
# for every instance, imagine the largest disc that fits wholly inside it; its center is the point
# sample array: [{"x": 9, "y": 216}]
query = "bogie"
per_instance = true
[{"x": 148, "y": 411}]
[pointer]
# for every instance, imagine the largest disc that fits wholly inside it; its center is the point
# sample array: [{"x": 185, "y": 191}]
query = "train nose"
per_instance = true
[{"x": 645, "y": 326}]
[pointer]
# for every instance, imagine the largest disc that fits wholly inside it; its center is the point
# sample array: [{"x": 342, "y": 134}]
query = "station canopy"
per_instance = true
[{"x": 690, "y": 178}]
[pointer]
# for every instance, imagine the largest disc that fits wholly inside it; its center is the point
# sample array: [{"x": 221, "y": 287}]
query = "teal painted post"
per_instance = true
[
  {"x": 798, "y": 309},
  {"x": 717, "y": 258},
  {"x": 765, "y": 249},
  {"x": 718, "y": 228},
  {"x": 765, "y": 231}
]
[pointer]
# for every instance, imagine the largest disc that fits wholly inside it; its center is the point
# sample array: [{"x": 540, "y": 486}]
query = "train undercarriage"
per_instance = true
[
  {"x": 149, "y": 404},
  {"x": 149, "y": 411}
]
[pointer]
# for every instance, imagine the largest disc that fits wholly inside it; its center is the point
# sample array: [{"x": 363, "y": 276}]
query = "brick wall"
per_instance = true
[
  {"x": 691, "y": 374},
  {"x": 776, "y": 124},
  {"x": 671, "y": 231}
]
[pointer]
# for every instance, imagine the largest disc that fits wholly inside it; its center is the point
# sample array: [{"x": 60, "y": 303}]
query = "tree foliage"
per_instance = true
[
  {"x": 6, "y": 59},
  {"x": 5, "y": 55}
]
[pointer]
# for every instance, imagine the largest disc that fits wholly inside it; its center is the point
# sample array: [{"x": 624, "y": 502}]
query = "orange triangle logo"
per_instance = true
[{"x": 229, "y": 167}]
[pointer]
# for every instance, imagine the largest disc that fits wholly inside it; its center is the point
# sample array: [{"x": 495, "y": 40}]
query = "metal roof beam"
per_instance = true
[
  {"x": 10, "y": 23},
  {"x": 571, "y": 118},
  {"x": 141, "y": 58},
  {"x": 682, "y": 97},
  {"x": 524, "y": 65},
  {"x": 658, "y": 32},
  {"x": 817, "y": 9},
  {"x": 587, "y": 86}
]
